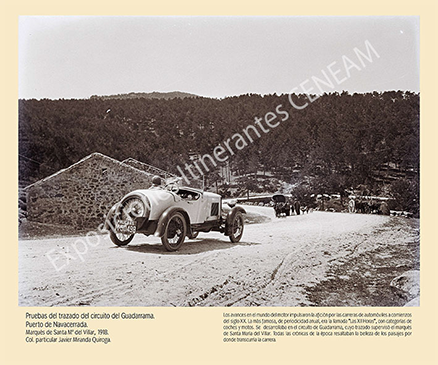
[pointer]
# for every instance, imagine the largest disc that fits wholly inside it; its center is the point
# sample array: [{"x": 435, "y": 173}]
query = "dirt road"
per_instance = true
[{"x": 323, "y": 259}]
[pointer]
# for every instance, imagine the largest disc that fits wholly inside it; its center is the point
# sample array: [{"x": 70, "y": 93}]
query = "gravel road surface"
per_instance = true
[{"x": 315, "y": 259}]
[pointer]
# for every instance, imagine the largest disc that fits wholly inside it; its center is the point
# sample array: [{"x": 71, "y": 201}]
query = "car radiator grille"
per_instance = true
[{"x": 214, "y": 209}]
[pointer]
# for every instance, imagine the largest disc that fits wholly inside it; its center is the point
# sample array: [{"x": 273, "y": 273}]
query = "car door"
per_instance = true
[{"x": 192, "y": 203}]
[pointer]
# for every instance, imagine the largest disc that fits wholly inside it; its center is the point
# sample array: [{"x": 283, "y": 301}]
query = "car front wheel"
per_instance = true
[
  {"x": 175, "y": 232},
  {"x": 237, "y": 228}
]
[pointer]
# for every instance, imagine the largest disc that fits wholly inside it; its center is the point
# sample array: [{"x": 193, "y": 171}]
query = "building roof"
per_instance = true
[
  {"x": 148, "y": 168},
  {"x": 93, "y": 155}
]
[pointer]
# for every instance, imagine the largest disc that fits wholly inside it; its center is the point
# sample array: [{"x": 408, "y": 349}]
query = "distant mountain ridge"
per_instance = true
[{"x": 152, "y": 95}]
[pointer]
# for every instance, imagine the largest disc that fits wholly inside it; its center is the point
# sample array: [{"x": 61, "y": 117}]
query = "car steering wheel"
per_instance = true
[{"x": 173, "y": 188}]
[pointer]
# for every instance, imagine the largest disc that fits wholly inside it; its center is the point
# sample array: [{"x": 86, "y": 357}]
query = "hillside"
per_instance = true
[
  {"x": 338, "y": 142},
  {"x": 152, "y": 95}
]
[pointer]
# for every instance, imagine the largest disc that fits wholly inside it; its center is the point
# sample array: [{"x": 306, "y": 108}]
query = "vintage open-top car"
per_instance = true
[
  {"x": 281, "y": 205},
  {"x": 172, "y": 213}
]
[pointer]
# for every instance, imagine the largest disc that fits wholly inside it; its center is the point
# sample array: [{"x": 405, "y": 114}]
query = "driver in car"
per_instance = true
[{"x": 156, "y": 182}]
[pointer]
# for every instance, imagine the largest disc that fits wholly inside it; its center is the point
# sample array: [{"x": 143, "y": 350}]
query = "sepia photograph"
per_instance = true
[{"x": 219, "y": 161}]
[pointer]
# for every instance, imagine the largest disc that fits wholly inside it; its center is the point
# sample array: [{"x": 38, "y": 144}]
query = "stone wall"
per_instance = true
[{"x": 82, "y": 194}]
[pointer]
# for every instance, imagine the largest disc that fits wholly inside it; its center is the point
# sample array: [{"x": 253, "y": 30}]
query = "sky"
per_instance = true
[{"x": 75, "y": 57}]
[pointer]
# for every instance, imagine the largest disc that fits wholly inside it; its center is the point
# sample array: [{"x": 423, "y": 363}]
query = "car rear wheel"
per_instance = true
[
  {"x": 121, "y": 239},
  {"x": 175, "y": 232},
  {"x": 237, "y": 228},
  {"x": 118, "y": 238}
]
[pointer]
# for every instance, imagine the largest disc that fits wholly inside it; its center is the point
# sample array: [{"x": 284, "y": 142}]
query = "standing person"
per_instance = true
[
  {"x": 352, "y": 206},
  {"x": 384, "y": 208},
  {"x": 297, "y": 207}
]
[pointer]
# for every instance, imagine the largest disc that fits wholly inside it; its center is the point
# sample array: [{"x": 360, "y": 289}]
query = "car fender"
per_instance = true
[
  {"x": 164, "y": 218},
  {"x": 230, "y": 217}
]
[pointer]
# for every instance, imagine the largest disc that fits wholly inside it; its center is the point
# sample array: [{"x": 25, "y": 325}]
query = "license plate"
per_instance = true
[{"x": 127, "y": 228}]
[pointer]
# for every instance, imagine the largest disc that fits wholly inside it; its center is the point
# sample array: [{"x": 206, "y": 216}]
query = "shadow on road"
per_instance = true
[{"x": 190, "y": 247}]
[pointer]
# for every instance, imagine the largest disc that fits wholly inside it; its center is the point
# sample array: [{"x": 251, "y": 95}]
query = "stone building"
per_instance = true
[{"x": 83, "y": 193}]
